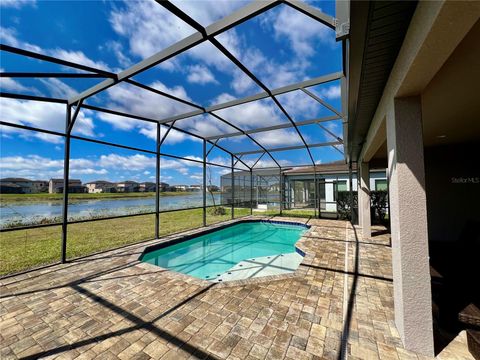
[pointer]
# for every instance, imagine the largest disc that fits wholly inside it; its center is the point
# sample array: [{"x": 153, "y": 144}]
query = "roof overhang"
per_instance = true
[{"x": 377, "y": 31}]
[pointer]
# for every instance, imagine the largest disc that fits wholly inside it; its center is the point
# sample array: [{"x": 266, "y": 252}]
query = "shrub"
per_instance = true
[
  {"x": 379, "y": 206},
  {"x": 343, "y": 204},
  {"x": 217, "y": 211}
]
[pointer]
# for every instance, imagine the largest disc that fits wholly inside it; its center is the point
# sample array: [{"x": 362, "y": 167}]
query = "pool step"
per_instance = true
[{"x": 262, "y": 266}]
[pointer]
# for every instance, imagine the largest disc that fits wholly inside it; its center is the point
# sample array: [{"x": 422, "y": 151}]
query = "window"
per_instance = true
[
  {"x": 342, "y": 185},
  {"x": 381, "y": 185}
]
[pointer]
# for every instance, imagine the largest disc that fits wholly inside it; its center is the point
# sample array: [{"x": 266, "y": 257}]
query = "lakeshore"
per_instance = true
[
  {"x": 44, "y": 210},
  {"x": 12, "y": 198}
]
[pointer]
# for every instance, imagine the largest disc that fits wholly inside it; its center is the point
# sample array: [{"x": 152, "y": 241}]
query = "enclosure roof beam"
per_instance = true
[
  {"x": 237, "y": 17},
  {"x": 313, "y": 12},
  {"x": 49, "y": 75},
  {"x": 289, "y": 148},
  {"x": 118, "y": 113},
  {"x": 242, "y": 132},
  {"x": 321, "y": 101},
  {"x": 100, "y": 73},
  {"x": 32, "y": 97},
  {"x": 179, "y": 13},
  {"x": 263, "y": 95},
  {"x": 339, "y": 139},
  {"x": 14, "y": 50},
  {"x": 275, "y": 127},
  {"x": 112, "y": 112},
  {"x": 260, "y": 157}
]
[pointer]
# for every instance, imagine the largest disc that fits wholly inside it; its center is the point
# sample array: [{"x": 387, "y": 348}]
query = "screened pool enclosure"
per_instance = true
[{"x": 246, "y": 162}]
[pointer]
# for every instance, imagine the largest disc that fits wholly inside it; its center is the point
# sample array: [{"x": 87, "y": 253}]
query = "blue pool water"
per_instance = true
[{"x": 211, "y": 254}]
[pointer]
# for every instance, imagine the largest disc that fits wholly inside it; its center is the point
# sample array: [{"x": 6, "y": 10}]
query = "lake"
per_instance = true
[{"x": 80, "y": 209}]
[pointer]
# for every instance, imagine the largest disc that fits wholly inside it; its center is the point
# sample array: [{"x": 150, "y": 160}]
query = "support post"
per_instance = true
[
  {"x": 280, "y": 182},
  {"x": 66, "y": 173},
  {"x": 316, "y": 200},
  {"x": 233, "y": 189},
  {"x": 251, "y": 191},
  {"x": 363, "y": 188},
  {"x": 157, "y": 185},
  {"x": 204, "y": 187},
  {"x": 350, "y": 185},
  {"x": 410, "y": 262}
]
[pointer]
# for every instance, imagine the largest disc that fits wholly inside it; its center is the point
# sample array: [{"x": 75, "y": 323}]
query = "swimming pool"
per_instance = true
[{"x": 210, "y": 256}]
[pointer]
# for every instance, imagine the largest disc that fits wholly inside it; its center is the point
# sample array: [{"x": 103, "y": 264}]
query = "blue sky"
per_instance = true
[{"x": 280, "y": 47}]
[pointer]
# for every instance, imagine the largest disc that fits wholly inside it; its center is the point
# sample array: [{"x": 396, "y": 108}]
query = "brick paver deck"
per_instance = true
[{"x": 111, "y": 306}]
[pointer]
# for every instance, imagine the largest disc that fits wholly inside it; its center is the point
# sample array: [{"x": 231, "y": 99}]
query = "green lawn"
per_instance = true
[
  {"x": 9, "y": 198},
  {"x": 23, "y": 249}
]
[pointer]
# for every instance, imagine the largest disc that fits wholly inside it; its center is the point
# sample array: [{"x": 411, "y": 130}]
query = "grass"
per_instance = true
[
  {"x": 12, "y": 198},
  {"x": 24, "y": 249}
]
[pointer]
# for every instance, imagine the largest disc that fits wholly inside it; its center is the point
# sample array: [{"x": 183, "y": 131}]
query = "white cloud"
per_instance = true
[
  {"x": 299, "y": 105},
  {"x": 266, "y": 163},
  {"x": 77, "y": 57},
  {"x": 205, "y": 125},
  {"x": 197, "y": 176},
  {"x": 30, "y": 162},
  {"x": 258, "y": 113},
  {"x": 17, "y": 4},
  {"x": 38, "y": 167},
  {"x": 208, "y": 11},
  {"x": 301, "y": 32},
  {"x": 9, "y": 36},
  {"x": 49, "y": 116},
  {"x": 134, "y": 162},
  {"x": 277, "y": 138},
  {"x": 220, "y": 161},
  {"x": 117, "y": 49},
  {"x": 12, "y": 85},
  {"x": 131, "y": 99},
  {"x": 331, "y": 92},
  {"x": 200, "y": 74},
  {"x": 58, "y": 89},
  {"x": 335, "y": 127},
  {"x": 89, "y": 171},
  {"x": 148, "y": 27}
]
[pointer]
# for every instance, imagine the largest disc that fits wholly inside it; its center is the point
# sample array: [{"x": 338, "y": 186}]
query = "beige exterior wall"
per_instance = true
[{"x": 436, "y": 30}]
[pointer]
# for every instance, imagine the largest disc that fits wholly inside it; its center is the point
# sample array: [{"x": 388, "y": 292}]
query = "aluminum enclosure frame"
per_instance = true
[{"x": 74, "y": 104}]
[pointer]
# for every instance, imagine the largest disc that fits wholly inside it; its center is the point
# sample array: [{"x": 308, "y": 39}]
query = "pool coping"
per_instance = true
[{"x": 189, "y": 234}]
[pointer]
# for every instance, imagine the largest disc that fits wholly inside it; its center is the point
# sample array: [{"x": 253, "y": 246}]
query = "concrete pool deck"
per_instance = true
[{"x": 110, "y": 306}]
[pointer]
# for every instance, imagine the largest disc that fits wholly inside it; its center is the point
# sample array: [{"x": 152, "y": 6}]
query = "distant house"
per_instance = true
[
  {"x": 146, "y": 187},
  {"x": 127, "y": 186},
  {"x": 195, "y": 188},
  {"x": 55, "y": 186},
  {"x": 178, "y": 188},
  {"x": 39, "y": 186},
  {"x": 16, "y": 186},
  {"x": 10, "y": 188},
  {"x": 100, "y": 186}
]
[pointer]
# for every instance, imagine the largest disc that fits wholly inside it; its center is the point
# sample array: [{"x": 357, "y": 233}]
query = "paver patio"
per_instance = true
[{"x": 112, "y": 306}]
